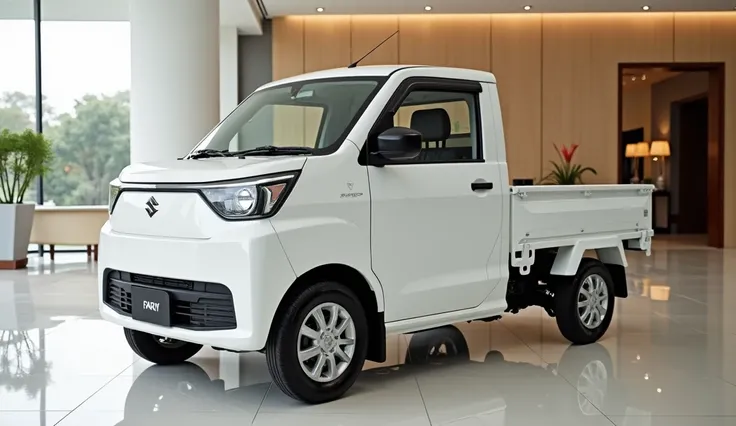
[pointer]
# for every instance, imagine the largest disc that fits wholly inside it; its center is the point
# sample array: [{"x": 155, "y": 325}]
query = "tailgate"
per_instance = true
[{"x": 550, "y": 213}]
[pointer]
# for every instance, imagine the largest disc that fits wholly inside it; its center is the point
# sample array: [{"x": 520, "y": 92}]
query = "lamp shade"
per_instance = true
[
  {"x": 631, "y": 150},
  {"x": 660, "y": 149},
  {"x": 642, "y": 149}
]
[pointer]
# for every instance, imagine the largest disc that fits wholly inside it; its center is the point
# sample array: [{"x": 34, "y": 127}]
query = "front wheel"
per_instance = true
[
  {"x": 160, "y": 350},
  {"x": 584, "y": 305},
  {"x": 317, "y": 348}
]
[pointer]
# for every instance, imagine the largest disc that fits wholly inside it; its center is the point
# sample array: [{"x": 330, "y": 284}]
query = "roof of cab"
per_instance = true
[{"x": 380, "y": 71}]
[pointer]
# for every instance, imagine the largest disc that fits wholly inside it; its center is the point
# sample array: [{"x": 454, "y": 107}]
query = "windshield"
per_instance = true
[{"x": 315, "y": 114}]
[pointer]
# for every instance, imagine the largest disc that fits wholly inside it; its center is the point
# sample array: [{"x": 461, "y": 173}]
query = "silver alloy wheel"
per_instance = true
[
  {"x": 326, "y": 342},
  {"x": 593, "y": 301}
]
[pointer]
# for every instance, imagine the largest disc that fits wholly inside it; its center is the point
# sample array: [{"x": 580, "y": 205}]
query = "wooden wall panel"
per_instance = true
[
  {"x": 566, "y": 91},
  {"x": 517, "y": 65},
  {"x": 326, "y": 42},
  {"x": 367, "y": 32},
  {"x": 422, "y": 40},
  {"x": 711, "y": 37},
  {"x": 288, "y": 47},
  {"x": 471, "y": 46},
  {"x": 435, "y": 40},
  {"x": 581, "y": 54}
]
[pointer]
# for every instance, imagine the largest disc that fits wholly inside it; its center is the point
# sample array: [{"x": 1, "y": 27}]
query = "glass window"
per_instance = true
[
  {"x": 447, "y": 121},
  {"x": 86, "y": 79},
  {"x": 18, "y": 72},
  {"x": 314, "y": 114}
]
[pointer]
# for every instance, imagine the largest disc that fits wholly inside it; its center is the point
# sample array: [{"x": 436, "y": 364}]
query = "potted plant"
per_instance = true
[
  {"x": 23, "y": 157},
  {"x": 566, "y": 173}
]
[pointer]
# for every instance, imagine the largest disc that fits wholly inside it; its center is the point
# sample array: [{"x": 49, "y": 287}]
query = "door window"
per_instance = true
[{"x": 448, "y": 124}]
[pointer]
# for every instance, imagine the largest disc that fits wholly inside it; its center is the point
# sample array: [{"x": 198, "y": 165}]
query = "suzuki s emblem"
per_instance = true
[
  {"x": 350, "y": 186},
  {"x": 151, "y": 207}
]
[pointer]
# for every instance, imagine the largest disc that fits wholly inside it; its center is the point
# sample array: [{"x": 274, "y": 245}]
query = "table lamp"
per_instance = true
[
  {"x": 636, "y": 151},
  {"x": 660, "y": 149},
  {"x": 631, "y": 153}
]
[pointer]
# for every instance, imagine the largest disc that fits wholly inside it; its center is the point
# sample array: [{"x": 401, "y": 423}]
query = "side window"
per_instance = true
[{"x": 447, "y": 122}]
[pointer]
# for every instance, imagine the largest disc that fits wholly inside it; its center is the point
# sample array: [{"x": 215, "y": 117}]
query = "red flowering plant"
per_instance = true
[{"x": 565, "y": 172}]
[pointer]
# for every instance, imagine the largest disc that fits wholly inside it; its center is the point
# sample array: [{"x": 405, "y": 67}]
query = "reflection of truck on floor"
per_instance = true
[
  {"x": 332, "y": 208},
  {"x": 183, "y": 391}
]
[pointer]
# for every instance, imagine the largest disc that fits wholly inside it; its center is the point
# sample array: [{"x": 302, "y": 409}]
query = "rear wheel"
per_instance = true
[
  {"x": 584, "y": 304},
  {"x": 317, "y": 348},
  {"x": 160, "y": 350}
]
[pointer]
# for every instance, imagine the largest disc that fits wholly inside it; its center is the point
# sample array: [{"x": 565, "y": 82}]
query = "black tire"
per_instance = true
[
  {"x": 150, "y": 348},
  {"x": 282, "y": 346},
  {"x": 566, "y": 304}
]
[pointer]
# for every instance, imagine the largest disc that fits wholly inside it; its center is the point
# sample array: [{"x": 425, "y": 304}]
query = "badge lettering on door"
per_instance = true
[
  {"x": 350, "y": 194},
  {"x": 150, "y": 306}
]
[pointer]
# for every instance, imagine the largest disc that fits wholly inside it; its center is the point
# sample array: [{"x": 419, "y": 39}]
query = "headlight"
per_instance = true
[
  {"x": 249, "y": 199},
  {"x": 113, "y": 195}
]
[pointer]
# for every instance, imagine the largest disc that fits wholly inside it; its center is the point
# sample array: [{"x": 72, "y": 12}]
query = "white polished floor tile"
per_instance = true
[
  {"x": 48, "y": 392},
  {"x": 673, "y": 421},
  {"x": 397, "y": 394},
  {"x": 670, "y": 395},
  {"x": 668, "y": 359},
  {"x": 92, "y": 418},
  {"x": 177, "y": 391},
  {"x": 368, "y": 419},
  {"x": 30, "y": 418}
]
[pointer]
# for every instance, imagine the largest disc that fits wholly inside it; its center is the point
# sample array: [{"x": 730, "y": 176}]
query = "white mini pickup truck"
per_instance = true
[{"x": 332, "y": 208}]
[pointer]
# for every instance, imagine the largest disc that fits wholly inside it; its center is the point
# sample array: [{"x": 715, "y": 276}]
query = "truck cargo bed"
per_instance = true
[{"x": 544, "y": 216}]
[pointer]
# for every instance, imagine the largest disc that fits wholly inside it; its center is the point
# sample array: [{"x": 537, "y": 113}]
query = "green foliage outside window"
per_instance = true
[{"x": 91, "y": 145}]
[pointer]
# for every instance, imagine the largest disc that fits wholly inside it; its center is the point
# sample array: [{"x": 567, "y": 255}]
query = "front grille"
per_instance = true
[{"x": 195, "y": 305}]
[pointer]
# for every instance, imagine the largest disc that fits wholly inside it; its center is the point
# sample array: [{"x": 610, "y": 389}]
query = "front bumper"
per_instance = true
[{"x": 245, "y": 257}]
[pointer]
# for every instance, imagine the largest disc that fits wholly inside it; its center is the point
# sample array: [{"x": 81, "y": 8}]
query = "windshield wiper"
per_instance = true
[
  {"x": 208, "y": 153},
  {"x": 272, "y": 150}
]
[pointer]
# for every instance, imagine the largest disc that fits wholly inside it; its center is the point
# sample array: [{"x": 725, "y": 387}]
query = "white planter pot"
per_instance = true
[{"x": 16, "y": 221}]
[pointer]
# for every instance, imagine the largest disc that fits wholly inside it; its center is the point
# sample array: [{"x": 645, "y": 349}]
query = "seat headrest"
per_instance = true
[{"x": 433, "y": 124}]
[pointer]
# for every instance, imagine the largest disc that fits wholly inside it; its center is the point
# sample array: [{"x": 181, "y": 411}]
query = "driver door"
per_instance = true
[{"x": 433, "y": 228}]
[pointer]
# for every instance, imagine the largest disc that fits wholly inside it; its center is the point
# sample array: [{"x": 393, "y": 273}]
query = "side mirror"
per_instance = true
[{"x": 397, "y": 144}]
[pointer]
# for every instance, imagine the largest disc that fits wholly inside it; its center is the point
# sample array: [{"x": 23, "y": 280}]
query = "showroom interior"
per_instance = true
[{"x": 645, "y": 88}]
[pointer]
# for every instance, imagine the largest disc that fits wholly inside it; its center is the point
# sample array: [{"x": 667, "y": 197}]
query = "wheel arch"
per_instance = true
[
  {"x": 610, "y": 252},
  {"x": 356, "y": 282}
]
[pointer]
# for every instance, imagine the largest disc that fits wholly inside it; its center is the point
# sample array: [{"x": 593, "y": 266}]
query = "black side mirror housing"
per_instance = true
[{"x": 396, "y": 144}]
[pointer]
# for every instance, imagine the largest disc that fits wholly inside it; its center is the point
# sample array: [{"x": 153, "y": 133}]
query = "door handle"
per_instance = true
[{"x": 481, "y": 186}]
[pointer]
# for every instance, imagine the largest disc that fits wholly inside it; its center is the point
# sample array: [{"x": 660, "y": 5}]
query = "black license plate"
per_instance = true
[{"x": 151, "y": 306}]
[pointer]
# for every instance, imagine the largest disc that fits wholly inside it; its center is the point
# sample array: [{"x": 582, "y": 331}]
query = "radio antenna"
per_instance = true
[{"x": 355, "y": 64}]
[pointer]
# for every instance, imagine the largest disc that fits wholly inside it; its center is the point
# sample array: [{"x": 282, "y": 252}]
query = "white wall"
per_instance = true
[{"x": 228, "y": 70}]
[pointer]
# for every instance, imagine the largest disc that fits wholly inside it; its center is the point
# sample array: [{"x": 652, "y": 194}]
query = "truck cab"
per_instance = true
[{"x": 332, "y": 208}]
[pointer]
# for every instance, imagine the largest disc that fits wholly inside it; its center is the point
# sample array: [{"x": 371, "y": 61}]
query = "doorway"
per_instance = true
[
  {"x": 690, "y": 126},
  {"x": 677, "y": 113}
]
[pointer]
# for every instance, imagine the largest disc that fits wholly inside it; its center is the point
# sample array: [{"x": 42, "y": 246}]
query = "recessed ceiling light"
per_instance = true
[
  {"x": 527, "y": 7},
  {"x": 428, "y": 8},
  {"x": 645, "y": 8},
  {"x": 320, "y": 9}
]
